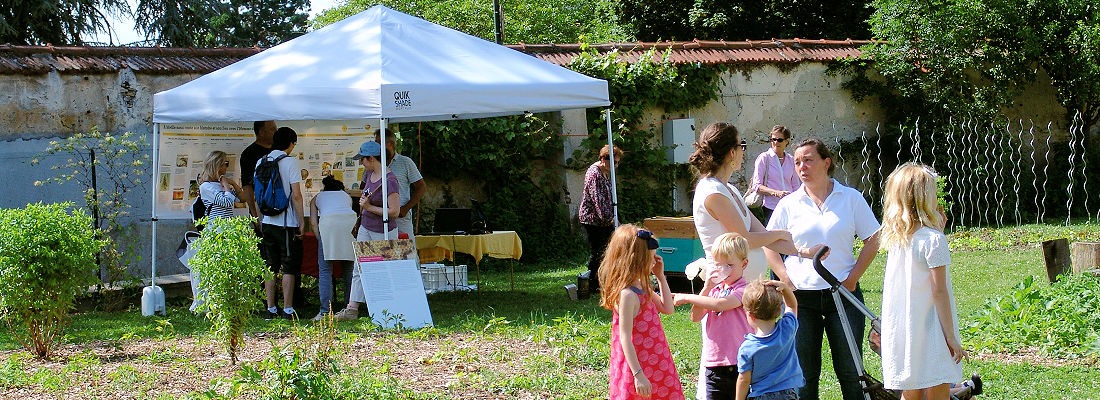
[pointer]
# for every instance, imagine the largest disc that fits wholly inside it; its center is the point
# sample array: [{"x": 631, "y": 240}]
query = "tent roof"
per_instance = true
[{"x": 380, "y": 63}]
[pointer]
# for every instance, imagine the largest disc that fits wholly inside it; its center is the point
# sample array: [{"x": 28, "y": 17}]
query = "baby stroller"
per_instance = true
[{"x": 872, "y": 388}]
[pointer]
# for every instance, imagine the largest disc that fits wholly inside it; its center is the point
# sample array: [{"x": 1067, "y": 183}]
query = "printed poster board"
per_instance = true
[
  {"x": 323, "y": 148},
  {"x": 392, "y": 283}
]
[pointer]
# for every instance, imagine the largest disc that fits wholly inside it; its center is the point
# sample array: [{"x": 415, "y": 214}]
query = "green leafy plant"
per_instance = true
[
  {"x": 303, "y": 369},
  {"x": 1059, "y": 319},
  {"x": 47, "y": 259},
  {"x": 107, "y": 167},
  {"x": 228, "y": 260}
]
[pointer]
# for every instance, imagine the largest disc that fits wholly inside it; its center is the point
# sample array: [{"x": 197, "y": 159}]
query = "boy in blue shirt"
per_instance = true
[{"x": 767, "y": 362}]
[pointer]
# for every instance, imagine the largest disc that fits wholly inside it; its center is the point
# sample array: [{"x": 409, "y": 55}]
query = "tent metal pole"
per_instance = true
[
  {"x": 611, "y": 147},
  {"x": 153, "y": 217},
  {"x": 385, "y": 199}
]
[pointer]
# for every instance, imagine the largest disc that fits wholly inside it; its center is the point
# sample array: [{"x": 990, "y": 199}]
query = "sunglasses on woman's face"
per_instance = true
[
  {"x": 744, "y": 145},
  {"x": 778, "y": 140}
]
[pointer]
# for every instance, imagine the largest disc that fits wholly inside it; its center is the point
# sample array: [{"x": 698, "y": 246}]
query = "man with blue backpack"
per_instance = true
[{"x": 278, "y": 194}]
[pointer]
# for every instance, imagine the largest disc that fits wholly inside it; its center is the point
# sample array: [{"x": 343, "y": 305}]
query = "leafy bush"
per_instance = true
[
  {"x": 47, "y": 259},
  {"x": 1057, "y": 320},
  {"x": 119, "y": 162},
  {"x": 228, "y": 260}
]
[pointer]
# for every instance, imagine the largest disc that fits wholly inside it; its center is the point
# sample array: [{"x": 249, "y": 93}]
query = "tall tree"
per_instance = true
[
  {"x": 976, "y": 56},
  {"x": 651, "y": 20},
  {"x": 222, "y": 23},
  {"x": 527, "y": 21},
  {"x": 58, "y": 22}
]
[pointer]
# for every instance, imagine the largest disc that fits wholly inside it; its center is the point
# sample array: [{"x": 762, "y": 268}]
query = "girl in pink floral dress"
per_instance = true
[{"x": 641, "y": 362}]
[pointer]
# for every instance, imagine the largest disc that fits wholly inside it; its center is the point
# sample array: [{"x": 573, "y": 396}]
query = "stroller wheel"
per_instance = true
[{"x": 977, "y": 379}]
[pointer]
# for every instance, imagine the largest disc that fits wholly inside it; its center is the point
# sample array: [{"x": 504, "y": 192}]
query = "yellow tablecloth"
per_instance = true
[{"x": 499, "y": 244}]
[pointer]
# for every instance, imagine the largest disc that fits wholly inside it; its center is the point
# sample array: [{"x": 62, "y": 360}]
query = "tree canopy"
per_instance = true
[
  {"x": 526, "y": 21},
  {"x": 57, "y": 22},
  {"x": 976, "y": 56},
  {"x": 222, "y": 23},
  {"x": 652, "y": 20}
]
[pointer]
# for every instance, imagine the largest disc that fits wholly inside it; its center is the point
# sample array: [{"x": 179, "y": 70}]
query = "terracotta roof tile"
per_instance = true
[{"x": 36, "y": 60}]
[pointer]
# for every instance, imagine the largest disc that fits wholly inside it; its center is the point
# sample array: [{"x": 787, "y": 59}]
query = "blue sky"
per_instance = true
[{"x": 125, "y": 33}]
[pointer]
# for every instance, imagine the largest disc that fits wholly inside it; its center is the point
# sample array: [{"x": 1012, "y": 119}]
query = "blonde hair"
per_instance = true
[
  {"x": 211, "y": 168},
  {"x": 761, "y": 301},
  {"x": 910, "y": 203},
  {"x": 730, "y": 245},
  {"x": 627, "y": 260}
]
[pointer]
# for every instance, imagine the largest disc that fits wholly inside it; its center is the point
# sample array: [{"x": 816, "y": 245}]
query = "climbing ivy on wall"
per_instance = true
[
  {"x": 645, "y": 178},
  {"x": 505, "y": 154}
]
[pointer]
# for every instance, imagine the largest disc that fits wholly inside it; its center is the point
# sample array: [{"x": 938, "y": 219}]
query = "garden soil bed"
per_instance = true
[{"x": 148, "y": 368}]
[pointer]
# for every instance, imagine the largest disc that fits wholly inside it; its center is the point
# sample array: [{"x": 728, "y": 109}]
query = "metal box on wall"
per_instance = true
[{"x": 679, "y": 135}]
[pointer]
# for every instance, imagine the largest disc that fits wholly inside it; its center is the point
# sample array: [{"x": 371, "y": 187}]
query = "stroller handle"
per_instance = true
[{"x": 821, "y": 270}]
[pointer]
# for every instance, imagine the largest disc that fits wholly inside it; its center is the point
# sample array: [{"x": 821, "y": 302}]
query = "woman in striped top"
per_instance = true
[{"x": 217, "y": 191}]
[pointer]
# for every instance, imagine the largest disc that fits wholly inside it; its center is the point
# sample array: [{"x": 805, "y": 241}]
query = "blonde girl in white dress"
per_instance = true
[{"x": 921, "y": 349}]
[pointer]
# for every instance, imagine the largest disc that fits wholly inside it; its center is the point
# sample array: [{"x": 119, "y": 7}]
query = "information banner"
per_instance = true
[
  {"x": 323, "y": 148},
  {"x": 392, "y": 284}
]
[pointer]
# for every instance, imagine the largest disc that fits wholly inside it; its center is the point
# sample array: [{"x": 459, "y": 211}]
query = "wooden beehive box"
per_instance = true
[{"x": 672, "y": 227}]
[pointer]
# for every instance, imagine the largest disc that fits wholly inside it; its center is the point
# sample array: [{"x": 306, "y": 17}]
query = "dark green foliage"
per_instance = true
[
  {"x": 684, "y": 20},
  {"x": 504, "y": 155},
  {"x": 222, "y": 23},
  {"x": 47, "y": 259},
  {"x": 976, "y": 57},
  {"x": 526, "y": 21},
  {"x": 57, "y": 22}
]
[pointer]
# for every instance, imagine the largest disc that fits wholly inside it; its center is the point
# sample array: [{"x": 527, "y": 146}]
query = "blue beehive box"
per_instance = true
[{"x": 678, "y": 242}]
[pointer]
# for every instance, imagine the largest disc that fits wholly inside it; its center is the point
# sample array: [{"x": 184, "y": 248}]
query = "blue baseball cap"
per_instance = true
[{"x": 369, "y": 148}]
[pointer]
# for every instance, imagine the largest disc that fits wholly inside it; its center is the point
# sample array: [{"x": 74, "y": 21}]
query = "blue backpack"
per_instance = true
[{"x": 268, "y": 187}]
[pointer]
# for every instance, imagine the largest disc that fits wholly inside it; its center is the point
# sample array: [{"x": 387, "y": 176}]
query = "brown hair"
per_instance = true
[
  {"x": 713, "y": 146},
  {"x": 782, "y": 129},
  {"x": 605, "y": 153},
  {"x": 627, "y": 260},
  {"x": 822, "y": 151},
  {"x": 761, "y": 301}
]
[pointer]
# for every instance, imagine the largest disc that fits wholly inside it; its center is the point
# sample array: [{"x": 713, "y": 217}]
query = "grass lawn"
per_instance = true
[{"x": 532, "y": 342}]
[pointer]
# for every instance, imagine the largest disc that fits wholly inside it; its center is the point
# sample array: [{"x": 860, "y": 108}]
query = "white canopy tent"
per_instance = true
[{"x": 381, "y": 64}]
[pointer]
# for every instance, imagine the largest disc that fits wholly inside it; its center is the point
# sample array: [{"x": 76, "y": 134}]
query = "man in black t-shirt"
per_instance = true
[{"x": 265, "y": 133}]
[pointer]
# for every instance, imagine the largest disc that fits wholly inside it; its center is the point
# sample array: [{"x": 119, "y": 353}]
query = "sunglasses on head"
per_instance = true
[{"x": 778, "y": 140}]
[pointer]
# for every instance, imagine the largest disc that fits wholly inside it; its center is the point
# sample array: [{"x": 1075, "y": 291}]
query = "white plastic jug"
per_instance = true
[{"x": 152, "y": 301}]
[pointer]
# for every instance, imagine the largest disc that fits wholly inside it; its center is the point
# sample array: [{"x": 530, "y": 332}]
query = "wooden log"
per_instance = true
[
  {"x": 1056, "y": 258},
  {"x": 1085, "y": 256}
]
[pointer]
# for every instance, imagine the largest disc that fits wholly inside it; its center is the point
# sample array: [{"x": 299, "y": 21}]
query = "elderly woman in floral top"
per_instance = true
[{"x": 596, "y": 212}]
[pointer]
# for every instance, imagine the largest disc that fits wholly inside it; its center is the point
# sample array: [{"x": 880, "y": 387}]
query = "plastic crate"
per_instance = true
[
  {"x": 432, "y": 274},
  {"x": 455, "y": 277}
]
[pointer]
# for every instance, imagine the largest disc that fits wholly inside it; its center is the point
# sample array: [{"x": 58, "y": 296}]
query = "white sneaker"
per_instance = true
[{"x": 347, "y": 314}]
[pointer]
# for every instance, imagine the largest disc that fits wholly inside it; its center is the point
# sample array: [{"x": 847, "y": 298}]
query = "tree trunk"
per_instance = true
[
  {"x": 1086, "y": 256},
  {"x": 1056, "y": 258}
]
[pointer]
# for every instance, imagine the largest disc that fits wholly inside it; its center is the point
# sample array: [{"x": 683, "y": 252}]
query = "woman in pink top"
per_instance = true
[{"x": 773, "y": 173}]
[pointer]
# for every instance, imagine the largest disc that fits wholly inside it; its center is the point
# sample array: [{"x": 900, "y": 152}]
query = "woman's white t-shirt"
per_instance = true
[
  {"x": 710, "y": 228},
  {"x": 333, "y": 202}
]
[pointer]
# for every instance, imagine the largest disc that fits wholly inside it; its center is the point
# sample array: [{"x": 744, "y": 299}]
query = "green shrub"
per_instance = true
[
  {"x": 47, "y": 259},
  {"x": 1057, "y": 320},
  {"x": 229, "y": 264}
]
